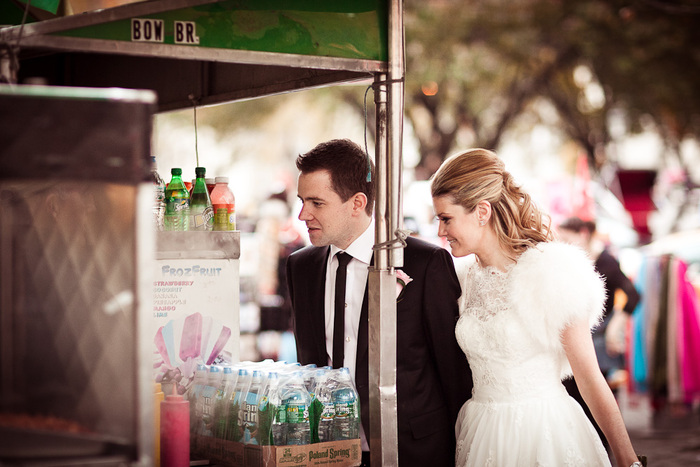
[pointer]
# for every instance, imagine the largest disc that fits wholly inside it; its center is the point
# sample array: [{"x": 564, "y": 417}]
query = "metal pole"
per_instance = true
[
  {"x": 395, "y": 130},
  {"x": 382, "y": 305},
  {"x": 389, "y": 91},
  {"x": 382, "y": 206}
]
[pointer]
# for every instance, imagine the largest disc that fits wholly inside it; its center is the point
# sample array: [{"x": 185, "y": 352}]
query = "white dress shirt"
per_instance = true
[{"x": 356, "y": 282}]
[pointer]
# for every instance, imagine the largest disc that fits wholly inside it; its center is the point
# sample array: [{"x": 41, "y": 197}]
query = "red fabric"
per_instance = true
[{"x": 636, "y": 188}]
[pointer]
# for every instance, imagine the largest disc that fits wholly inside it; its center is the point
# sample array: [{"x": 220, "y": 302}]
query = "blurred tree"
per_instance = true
[{"x": 474, "y": 66}]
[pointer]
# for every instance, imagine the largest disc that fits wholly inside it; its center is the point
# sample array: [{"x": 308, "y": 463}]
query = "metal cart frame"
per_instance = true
[{"x": 102, "y": 49}]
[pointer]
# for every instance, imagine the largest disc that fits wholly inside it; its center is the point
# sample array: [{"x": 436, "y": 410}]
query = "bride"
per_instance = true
[{"x": 526, "y": 313}]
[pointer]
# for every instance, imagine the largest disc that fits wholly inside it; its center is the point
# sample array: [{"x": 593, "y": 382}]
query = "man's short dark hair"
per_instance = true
[
  {"x": 578, "y": 225},
  {"x": 348, "y": 166}
]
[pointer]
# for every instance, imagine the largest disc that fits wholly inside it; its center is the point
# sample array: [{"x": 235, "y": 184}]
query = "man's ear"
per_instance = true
[{"x": 359, "y": 202}]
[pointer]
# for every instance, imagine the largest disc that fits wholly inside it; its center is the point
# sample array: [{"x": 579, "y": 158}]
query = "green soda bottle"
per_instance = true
[
  {"x": 177, "y": 203},
  {"x": 201, "y": 211}
]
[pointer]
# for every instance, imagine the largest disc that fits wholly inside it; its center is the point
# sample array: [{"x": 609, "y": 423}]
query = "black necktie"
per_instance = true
[{"x": 339, "y": 319}]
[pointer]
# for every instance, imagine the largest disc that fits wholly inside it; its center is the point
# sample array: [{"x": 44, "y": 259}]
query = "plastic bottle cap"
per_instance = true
[
  {"x": 221, "y": 180},
  {"x": 200, "y": 171},
  {"x": 209, "y": 180},
  {"x": 176, "y": 171}
]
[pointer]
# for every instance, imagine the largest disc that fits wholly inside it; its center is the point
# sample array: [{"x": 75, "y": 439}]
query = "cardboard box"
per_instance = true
[{"x": 229, "y": 453}]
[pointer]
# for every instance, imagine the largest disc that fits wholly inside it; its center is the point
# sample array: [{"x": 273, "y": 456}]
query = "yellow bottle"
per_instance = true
[{"x": 159, "y": 397}]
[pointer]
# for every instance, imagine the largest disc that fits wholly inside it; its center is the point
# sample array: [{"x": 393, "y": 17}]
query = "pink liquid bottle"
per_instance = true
[
  {"x": 175, "y": 431},
  {"x": 224, "y": 204}
]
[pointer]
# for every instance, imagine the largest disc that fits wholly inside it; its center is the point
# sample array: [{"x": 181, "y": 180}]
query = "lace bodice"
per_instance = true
[{"x": 507, "y": 362}]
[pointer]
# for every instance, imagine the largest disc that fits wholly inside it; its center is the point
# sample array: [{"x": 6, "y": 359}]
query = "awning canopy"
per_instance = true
[{"x": 207, "y": 51}]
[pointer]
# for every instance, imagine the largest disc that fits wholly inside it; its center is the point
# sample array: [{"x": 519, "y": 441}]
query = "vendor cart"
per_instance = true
[{"x": 206, "y": 52}]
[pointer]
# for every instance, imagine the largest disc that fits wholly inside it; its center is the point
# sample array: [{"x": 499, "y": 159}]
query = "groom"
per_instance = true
[{"x": 433, "y": 379}]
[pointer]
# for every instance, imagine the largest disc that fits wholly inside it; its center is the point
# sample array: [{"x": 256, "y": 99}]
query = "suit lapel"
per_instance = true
[
  {"x": 362, "y": 332},
  {"x": 362, "y": 339},
  {"x": 317, "y": 301}
]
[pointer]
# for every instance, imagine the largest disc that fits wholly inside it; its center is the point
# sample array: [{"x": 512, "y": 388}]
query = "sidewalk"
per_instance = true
[{"x": 668, "y": 439}]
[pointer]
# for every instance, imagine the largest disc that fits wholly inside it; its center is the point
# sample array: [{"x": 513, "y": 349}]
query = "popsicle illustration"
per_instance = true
[
  {"x": 220, "y": 343},
  {"x": 191, "y": 342},
  {"x": 208, "y": 344},
  {"x": 208, "y": 329},
  {"x": 169, "y": 339},
  {"x": 162, "y": 347}
]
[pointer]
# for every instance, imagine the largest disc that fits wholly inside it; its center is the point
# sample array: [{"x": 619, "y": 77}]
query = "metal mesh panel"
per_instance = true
[{"x": 68, "y": 338}]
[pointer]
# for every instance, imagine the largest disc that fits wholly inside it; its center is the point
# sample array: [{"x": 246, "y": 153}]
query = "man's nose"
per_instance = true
[{"x": 304, "y": 214}]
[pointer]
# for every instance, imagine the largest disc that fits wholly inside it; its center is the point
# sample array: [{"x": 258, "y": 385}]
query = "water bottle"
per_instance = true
[
  {"x": 177, "y": 203},
  {"x": 296, "y": 401},
  {"x": 201, "y": 375},
  {"x": 159, "y": 201},
  {"x": 221, "y": 404},
  {"x": 346, "y": 422},
  {"x": 249, "y": 410},
  {"x": 272, "y": 414},
  {"x": 324, "y": 409},
  {"x": 201, "y": 211},
  {"x": 224, "y": 204},
  {"x": 309, "y": 374},
  {"x": 233, "y": 429},
  {"x": 207, "y": 401}
]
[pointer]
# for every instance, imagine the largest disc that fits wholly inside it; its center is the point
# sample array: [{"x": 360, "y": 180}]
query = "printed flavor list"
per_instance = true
[
  {"x": 177, "y": 282},
  {"x": 167, "y": 295}
]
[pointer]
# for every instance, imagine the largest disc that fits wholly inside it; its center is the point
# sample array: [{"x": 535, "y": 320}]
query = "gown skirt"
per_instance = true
[{"x": 549, "y": 429}]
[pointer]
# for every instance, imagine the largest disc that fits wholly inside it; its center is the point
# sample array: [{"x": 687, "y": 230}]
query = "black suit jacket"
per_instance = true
[{"x": 433, "y": 377}]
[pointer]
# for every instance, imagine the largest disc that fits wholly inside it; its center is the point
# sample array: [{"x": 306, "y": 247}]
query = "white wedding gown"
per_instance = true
[{"x": 520, "y": 413}]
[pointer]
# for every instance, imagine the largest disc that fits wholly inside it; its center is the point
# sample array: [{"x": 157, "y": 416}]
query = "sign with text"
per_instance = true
[
  {"x": 147, "y": 30},
  {"x": 195, "y": 315}
]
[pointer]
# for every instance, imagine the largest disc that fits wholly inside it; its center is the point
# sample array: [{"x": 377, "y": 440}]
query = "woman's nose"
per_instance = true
[{"x": 441, "y": 230}]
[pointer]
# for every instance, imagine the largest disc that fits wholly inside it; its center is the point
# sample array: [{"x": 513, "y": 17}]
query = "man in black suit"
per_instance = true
[{"x": 433, "y": 377}]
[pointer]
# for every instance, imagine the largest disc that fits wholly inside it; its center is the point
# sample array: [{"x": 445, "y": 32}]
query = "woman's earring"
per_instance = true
[{"x": 482, "y": 223}]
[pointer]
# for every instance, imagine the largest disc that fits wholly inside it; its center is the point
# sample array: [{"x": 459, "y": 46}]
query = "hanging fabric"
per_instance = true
[
  {"x": 689, "y": 334},
  {"x": 664, "y": 334}
]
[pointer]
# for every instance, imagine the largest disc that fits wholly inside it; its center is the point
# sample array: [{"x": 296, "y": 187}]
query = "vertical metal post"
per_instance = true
[
  {"x": 382, "y": 207},
  {"x": 388, "y": 99},
  {"x": 395, "y": 118},
  {"x": 382, "y": 304},
  {"x": 382, "y": 368}
]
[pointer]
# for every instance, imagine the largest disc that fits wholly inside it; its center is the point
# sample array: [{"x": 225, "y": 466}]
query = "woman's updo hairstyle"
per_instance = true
[{"x": 478, "y": 174}]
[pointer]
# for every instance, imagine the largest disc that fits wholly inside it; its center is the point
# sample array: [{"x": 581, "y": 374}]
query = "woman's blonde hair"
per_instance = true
[{"x": 478, "y": 174}]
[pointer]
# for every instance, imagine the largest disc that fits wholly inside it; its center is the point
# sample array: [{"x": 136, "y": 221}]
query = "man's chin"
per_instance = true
[{"x": 316, "y": 239}]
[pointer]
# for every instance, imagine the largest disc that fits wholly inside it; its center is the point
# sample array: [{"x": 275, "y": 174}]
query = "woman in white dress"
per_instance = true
[{"x": 527, "y": 309}]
